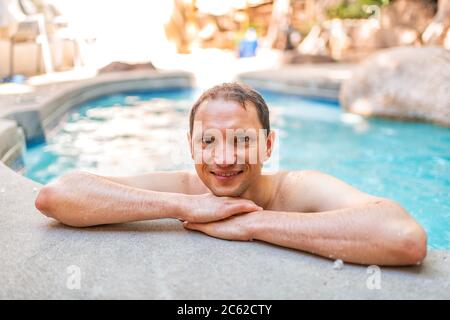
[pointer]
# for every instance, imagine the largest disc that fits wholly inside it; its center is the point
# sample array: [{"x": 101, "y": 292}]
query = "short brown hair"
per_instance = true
[{"x": 234, "y": 92}]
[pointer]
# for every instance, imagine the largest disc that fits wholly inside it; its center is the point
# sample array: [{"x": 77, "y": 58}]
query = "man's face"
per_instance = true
[{"x": 229, "y": 146}]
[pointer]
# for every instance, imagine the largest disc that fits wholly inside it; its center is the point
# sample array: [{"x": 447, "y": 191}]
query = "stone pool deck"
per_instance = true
[{"x": 159, "y": 259}]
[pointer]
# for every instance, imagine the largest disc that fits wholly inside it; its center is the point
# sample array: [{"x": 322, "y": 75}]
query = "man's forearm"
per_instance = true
[
  {"x": 377, "y": 233},
  {"x": 82, "y": 199}
]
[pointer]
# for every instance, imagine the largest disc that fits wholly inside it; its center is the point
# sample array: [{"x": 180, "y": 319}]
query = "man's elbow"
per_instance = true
[
  {"x": 56, "y": 194},
  {"x": 49, "y": 202},
  {"x": 413, "y": 244},
  {"x": 56, "y": 200},
  {"x": 409, "y": 239},
  {"x": 45, "y": 200}
]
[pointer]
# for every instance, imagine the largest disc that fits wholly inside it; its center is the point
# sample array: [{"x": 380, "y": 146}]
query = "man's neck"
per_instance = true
[{"x": 260, "y": 192}]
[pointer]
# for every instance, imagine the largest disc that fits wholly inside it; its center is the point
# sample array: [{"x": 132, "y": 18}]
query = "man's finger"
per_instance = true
[
  {"x": 252, "y": 206},
  {"x": 193, "y": 226},
  {"x": 207, "y": 228},
  {"x": 244, "y": 207}
]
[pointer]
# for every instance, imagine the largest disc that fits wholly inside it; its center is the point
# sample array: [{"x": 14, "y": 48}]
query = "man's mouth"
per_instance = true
[{"x": 226, "y": 175}]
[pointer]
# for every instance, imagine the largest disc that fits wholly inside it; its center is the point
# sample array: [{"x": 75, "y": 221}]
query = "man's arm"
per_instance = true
[
  {"x": 82, "y": 199},
  {"x": 164, "y": 181},
  {"x": 354, "y": 227}
]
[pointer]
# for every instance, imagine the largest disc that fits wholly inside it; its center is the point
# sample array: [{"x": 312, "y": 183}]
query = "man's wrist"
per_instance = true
[
  {"x": 257, "y": 223},
  {"x": 167, "y": 205},
  {"x": 181, "y": 206}
]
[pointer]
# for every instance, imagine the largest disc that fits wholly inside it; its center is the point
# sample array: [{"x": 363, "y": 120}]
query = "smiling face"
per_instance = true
[{"x": 229, "y": 146}]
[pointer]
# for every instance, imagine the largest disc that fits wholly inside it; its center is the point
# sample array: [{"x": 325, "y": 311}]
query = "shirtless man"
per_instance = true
[{"x": 230, "y": 198}]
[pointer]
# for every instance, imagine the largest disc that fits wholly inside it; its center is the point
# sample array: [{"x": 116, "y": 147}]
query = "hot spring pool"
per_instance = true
[{"x": 132, "y": 133}]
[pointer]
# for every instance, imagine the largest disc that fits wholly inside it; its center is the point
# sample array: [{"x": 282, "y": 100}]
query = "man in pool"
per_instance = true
[{"x": 230, "y": 198}]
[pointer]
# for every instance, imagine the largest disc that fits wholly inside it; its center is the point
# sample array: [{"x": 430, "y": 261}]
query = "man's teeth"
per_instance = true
[{"x": 226, "y": 174}]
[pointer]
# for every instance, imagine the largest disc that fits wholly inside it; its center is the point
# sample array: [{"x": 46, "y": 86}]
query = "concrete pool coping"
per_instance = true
[
  {"x": 161, "y": 260},
  {"x": 37, "y": 116},
  {"x": 322, "y": 81}
]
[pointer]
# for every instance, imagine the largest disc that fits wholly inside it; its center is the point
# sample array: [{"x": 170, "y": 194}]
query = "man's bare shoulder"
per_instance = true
[
  {"x": 285, "y": 180},
  {"x": 195, "y": 185},
  {"x": 287, "y": 186},
  {"x": 313, "y": 190},
  {"x": 300, "y": 177}
]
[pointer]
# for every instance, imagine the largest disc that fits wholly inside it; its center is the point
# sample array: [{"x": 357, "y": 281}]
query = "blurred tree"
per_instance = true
[{"x": 355, "y": 9}]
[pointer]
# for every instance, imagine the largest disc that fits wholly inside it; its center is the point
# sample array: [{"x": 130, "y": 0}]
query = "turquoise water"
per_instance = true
[{"x": 131, "y": 133}]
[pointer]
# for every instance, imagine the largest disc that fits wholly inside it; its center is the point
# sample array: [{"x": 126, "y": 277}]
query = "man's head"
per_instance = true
[{"x": 230, "y": 138}]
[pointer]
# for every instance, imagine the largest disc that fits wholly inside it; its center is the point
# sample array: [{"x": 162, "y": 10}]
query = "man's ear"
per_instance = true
[
  {"x": 189, "y": 138},
  {"x": 269, "y": 144}
]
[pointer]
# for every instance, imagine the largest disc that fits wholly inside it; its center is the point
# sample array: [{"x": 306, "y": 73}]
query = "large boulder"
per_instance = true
[{"x": 404, "y": 83}]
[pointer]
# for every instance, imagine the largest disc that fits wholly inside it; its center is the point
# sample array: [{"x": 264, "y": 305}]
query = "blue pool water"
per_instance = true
[{"x": 131, "y": 133}]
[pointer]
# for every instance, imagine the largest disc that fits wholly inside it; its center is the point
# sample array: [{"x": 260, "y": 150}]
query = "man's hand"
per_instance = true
[
  {"x": 237, "y": 227},
  {"x": 208, "y": 207}
]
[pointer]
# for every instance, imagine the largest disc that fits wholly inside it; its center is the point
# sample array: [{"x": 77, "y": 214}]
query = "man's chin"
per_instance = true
[{"x": 225, "y": 192}]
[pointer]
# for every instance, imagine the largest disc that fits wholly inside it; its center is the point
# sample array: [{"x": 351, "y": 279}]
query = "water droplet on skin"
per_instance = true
[{"x": 338, "y": 264}]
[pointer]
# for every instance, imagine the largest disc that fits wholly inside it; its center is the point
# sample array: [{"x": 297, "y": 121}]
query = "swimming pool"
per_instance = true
[{"x": 131, "y": 133}]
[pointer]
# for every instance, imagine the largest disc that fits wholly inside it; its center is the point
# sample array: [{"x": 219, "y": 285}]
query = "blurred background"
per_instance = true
[{"x": 47, "y": 36}]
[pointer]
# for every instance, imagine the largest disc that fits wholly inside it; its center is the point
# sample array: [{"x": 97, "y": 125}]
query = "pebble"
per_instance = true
[{"x": 338, "y": 264}]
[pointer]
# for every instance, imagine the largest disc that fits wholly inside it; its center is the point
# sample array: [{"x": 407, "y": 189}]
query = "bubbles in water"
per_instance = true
[{"x": 338, "y": 264}]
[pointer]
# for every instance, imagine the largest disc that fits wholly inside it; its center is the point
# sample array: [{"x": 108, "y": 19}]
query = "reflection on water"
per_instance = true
[{"x": 138, "y": 137}]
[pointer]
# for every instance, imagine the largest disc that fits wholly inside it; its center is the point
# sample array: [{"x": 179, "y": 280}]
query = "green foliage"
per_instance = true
[{"x": 355, "y": 9}]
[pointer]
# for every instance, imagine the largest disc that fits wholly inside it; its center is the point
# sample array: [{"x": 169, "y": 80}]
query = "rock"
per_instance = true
[
  {"x": 403, "y": 82},
  {"x": 338, "y": 264},
  {"x": 437, "y": 31},
  {"x": 123, "y": 66},
  {"x": 407, "y": 14}
]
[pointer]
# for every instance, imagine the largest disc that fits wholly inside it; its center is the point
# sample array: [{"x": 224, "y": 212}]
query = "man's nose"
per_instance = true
[{"x": 224, "y": 156}]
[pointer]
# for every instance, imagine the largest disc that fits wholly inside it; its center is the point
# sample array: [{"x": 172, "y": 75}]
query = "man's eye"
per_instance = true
[
  {"x": 208, "y": 140},
  {"x": 245, "y": 139}
]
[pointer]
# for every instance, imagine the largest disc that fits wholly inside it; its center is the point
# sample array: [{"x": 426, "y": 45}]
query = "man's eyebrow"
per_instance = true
[{"x": 200, "y": 135}]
